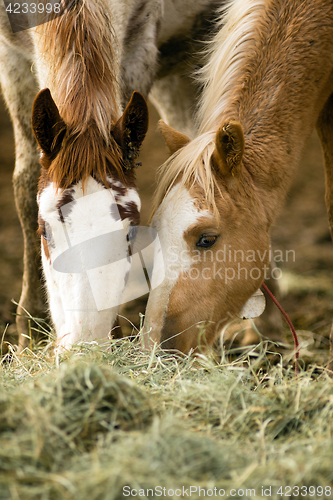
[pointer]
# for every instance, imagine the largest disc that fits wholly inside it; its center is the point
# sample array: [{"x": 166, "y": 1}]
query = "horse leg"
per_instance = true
[
  {"x": 174, "y": 97},
  {"x": 19, "y": 89},
  {"x": 325, "y": 132}
]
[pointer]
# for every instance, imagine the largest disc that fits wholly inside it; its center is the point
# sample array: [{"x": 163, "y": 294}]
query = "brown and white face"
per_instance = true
[
  {"x": 86, "y": 227},
  {"x": 212, "y": 265}
]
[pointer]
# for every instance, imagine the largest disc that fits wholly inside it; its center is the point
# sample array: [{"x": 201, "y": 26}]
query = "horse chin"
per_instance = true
[
  {"x": 178, "y": 331},
  {"x": 195, "y": 326},
  {"x": 153, "y": 327},
  {"x": 196, "y": 338}
]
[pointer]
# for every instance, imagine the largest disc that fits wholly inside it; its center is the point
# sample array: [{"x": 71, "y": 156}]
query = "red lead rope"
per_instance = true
[{"x": 291, "y": 326}]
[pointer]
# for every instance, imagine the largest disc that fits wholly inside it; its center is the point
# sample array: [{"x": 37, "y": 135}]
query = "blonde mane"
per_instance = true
[
  {"x": 229, "y": 56},
  {"x": 193, "y": 164},
  {"x": 226, "y": 64}
]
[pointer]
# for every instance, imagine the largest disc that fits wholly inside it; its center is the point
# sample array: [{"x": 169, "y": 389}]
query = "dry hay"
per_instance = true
[{"x": 85, "y": 426}]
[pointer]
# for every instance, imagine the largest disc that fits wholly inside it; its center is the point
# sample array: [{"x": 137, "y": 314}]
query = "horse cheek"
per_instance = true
[{"x": 187, "y": 321}]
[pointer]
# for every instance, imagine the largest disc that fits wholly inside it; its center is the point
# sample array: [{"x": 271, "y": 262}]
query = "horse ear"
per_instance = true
[
  {"x": 131, "y": 128},
  {"x": 174, "y": 140},
  {"x": 229, "y": 148},
  {"x": 46, "y": 122}
]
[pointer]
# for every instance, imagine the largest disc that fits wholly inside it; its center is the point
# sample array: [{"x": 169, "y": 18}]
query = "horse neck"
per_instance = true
[
  {"x": 275, "y": 84},
  {"x": 77, "y": 58}
]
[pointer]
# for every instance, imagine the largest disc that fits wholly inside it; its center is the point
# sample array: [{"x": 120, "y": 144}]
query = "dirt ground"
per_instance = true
[{"x": 302, "y": 226}]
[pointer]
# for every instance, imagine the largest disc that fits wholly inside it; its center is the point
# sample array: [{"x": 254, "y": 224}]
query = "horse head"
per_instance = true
[
  {"x": 214, "y": 237},
  {"x": 88, "y": 210}
]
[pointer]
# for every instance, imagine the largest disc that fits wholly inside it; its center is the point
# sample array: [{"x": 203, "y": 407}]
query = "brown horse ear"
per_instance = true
[
  {"x": 131, "y": 128},
  {"x": 46, "y": 122},
  {"x": 174, "y": 140},
  {"x": 229, "y": 148}
]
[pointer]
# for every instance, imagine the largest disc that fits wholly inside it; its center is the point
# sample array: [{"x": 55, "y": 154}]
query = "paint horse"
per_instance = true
[
  {"x": 91, "y": 59},
  {"x": 268, "y": 81},
  {"x": 88, "y": 151}
]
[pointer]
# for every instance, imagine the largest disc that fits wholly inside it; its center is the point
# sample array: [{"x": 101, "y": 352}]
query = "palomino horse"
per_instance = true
[
  {"x": 268, "y": 82},
  {"x": 91, "y": 59}
]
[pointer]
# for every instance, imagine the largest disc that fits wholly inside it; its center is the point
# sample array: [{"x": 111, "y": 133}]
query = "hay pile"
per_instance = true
[{"x": 97, "y": 425}]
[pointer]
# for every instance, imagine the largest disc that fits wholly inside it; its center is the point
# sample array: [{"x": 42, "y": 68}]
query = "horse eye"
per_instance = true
[
  {"x": 206, "y": 241},
  {"x": 44, "y": 230},
  {"x": 47, "y": 234},
  {"x": 132, "y": 232}
]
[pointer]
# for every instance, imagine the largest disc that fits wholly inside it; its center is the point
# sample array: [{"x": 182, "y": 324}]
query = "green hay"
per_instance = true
[{"x": 93, "y": 422}]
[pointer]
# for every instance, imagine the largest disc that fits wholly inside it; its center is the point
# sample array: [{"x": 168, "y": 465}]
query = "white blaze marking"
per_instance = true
[
  {"x": 84, "y": 305},
  {"x": 173, "y": 218}
]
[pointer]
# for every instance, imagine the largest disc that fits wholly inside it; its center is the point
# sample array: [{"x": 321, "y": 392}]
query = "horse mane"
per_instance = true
[
  {"x": 229, "y": 58},
  {"x": 78, "y": 49},
  {"x": 226, "y": 58},
  {"x": 192, "y": 163}
]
